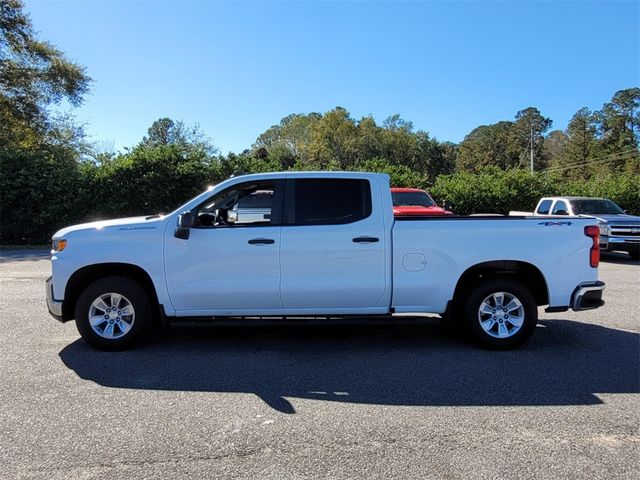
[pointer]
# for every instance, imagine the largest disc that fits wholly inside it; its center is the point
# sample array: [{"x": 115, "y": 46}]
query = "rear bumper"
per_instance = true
[
  {"x": 587, "y": 296},
  {"x": 54, "y": 306}
]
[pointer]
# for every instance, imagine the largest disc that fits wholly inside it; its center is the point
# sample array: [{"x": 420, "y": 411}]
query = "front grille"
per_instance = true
[{"x": 625, "y": 231}]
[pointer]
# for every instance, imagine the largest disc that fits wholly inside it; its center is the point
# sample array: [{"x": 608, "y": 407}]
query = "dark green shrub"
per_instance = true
[{"x": 40, "y": 192}]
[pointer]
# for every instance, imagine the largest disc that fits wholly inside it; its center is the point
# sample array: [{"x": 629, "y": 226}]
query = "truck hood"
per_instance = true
[
  {"x": 118, "y": 224},
  {"x": 622, "y": 219}
]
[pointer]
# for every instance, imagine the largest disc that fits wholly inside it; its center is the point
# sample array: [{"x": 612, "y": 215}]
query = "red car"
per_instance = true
[{"x": 413, "y": 201}]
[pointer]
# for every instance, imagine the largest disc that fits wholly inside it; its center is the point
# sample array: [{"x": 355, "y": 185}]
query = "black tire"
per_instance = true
[
  {"x": 490, "y": 339},
  {"x": 140, "y": 321},
  {"x": 634, "y": 254}
]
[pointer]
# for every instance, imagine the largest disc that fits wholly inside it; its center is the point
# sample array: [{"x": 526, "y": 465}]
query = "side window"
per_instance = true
[
  {"x": 544, "y": 207},
  {"x": 329, "y": 201},
  {"x": 255, "y": 207},
  {"x": 560, "y": 208},
  {"x": 244, "y": 205}
]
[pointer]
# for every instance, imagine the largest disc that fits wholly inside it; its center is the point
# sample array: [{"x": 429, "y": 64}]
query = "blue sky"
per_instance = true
[{"x": 237, "y": 68}]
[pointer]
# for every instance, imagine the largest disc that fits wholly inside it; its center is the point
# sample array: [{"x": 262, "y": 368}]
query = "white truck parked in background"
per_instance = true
[{"x": 329, "y": 247}]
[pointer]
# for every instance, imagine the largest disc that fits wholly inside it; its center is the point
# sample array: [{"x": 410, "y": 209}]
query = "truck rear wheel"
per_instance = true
[
  {"x": 501, "y": 313},
  {"x": 113, "y": 313}
]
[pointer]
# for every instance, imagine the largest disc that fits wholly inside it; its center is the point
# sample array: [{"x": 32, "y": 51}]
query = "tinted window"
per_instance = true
[
  {"x": 544, "y": 207},
  {"x": 330, "y": 202},
  {"x": 560, "y": 208},
  {"x": 595, "y": 206},
  {"x": 419, "y": 199}
]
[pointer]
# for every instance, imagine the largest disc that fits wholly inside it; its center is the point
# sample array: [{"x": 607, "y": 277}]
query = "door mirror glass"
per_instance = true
[{"x": 186, "y": 220}]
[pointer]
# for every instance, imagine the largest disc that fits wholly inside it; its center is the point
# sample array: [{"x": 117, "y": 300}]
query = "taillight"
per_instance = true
[{"x": 593, "y": 232}]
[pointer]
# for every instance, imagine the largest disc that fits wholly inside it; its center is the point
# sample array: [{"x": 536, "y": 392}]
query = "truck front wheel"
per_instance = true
[
  {"x": 113, "y": 313},
  {"x": 501, "y": 313}
]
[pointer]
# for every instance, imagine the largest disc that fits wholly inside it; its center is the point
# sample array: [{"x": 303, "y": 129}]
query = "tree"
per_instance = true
[
  {"x": 505, "y": 144},
  {"x": 396, "y": 122},
  {"x": 530, "y": 127},
  {"x": 619, "y": 129},
  {"x": 554, "y": 145},
  {"x": 150, "y": 180},
  {"x": 400, "y": 143},
  {"x": 333, "y": 142},
  {"x": 581, "y": 145},
  {"x": 292, "y": 133},
  {"x": 161, "y": 132},
  {"x": 165, "y": 131},
  {"x": 33, "y": 76},
  {"x": 620, "y": 119},
  {"x": 435, "y": 158},
  {"x": 490, "y": 145}
]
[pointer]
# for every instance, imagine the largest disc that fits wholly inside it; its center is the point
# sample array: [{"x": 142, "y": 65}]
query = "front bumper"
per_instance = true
[
  {"x": 627, "y": 244},
  {"x": 587, "y": 296},
  {"x": 54, "y": 306},
  {"x": 604, "y": 242}
]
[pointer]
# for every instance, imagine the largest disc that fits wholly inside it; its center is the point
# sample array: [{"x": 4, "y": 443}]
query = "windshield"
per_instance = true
[
  {"x": 595, "y": 207},
  {"x": 418, "y": 199}
]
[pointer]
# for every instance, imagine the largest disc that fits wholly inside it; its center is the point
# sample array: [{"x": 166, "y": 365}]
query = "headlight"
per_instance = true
[
  {"x": 58, "y": 245},
  {"x": 604, "y": 230}
]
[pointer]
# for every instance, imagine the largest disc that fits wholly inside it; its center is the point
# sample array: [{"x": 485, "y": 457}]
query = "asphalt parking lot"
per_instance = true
[{"x": 378, "y": 401}]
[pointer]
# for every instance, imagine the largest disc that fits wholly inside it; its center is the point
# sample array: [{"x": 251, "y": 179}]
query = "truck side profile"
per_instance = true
[{"x": 329, "y": 247}]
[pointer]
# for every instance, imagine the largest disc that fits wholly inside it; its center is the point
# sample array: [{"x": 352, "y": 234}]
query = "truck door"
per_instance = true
[
  {"x": 230, "y": 263},
  {"x": 333, "y": 245}
]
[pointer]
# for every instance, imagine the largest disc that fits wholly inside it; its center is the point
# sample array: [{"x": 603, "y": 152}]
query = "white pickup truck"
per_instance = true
[{"x": 330, "y": 247}]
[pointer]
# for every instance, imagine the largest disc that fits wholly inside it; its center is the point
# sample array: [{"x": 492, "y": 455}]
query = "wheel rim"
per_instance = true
[
  {"x": 501, "y": 315},
  {"x": 111, "y": 315}
]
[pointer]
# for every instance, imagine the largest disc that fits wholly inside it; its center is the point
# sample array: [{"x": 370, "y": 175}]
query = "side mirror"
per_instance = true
[{"x": 185, "y": 222}]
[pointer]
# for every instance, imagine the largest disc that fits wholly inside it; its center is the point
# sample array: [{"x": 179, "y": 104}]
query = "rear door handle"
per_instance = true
[
  {"x": 366, "y": 240},
  {"x": 261, "y": 241}
]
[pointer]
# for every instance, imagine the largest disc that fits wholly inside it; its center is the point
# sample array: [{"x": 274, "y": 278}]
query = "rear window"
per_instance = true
[
  {"x": 544, "y": 207},
  {"x": 330, "y": 201}
]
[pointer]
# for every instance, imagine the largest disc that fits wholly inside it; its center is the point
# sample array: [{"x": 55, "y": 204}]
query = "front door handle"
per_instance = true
[
  {"x": 366, "y": 240},
  {"x": 261, "y": 241}
]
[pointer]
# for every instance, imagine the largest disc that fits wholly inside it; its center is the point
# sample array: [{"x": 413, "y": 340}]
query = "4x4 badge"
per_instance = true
[{"x": 555, "y": 224}]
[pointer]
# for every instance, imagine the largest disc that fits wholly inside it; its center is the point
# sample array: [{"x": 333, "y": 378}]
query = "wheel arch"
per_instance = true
[
  {"x": 84, "y": 276},
  {"x": 526, "y": 273}
]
